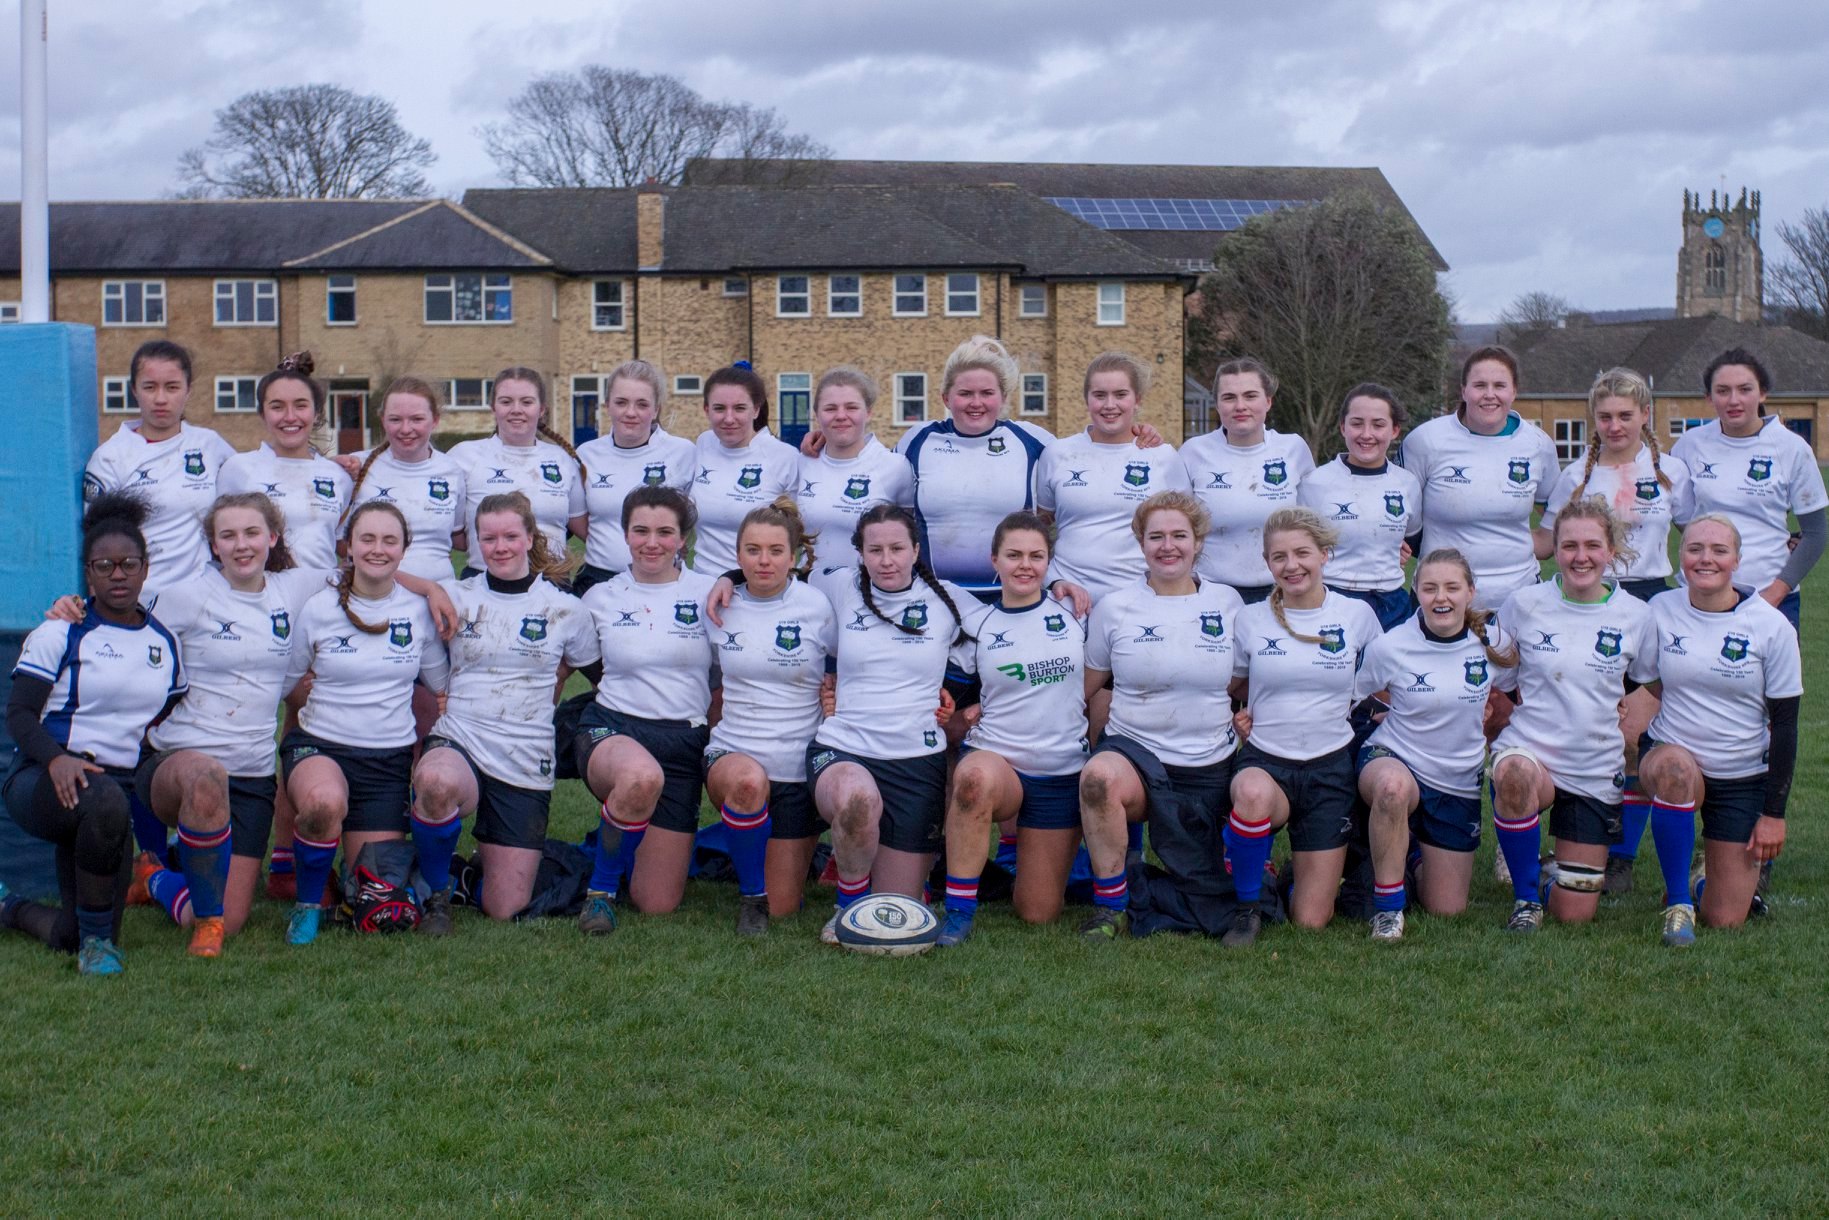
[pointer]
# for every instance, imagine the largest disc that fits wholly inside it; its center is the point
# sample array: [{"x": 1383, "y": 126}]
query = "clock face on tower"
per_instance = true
[{"x": 1713, "y": 226}]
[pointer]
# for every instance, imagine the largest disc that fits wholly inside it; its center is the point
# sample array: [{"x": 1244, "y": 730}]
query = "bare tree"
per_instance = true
[
  {"x": 611, "y": 127},
  {"x": 1799, "y": 282},
  {"x": 1534, "y": 312},
  {"x": 307, "y": 142},
  {"x": 1329, "y": 295}
]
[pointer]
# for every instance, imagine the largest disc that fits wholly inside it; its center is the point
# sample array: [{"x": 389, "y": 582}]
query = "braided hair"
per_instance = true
[
  {"x": 279, "y": 555},
  {"x": 346, "y": 579},
  {"x": 532, "y": 377},
  {"x": 881, "y": 514},
  {"x": 399, "y": 385},
  {"x": 1477, "y": 620},
  {"x": 540, "y": 558},
  {"x": 1621, "y": 383},
  {"x": 1323, "y": 535}
]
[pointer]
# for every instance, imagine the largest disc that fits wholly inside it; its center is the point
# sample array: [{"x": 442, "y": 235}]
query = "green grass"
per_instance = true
[{"x": 671, "y": 1070}]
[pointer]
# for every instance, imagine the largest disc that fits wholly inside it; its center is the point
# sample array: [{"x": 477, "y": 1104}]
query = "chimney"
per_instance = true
[{"x": 650, "y": 224}]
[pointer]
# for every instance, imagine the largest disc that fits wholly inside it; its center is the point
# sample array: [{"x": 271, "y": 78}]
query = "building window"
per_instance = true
[
  {"x": 469, "y": 298},
  {"x": 587, "y": 396},
  {"x": 1196, "y": 414},
  {"x": 844, "y": 296},
  {"x": 736, "y": 286},
  {"x": 115, "y": 398},
  {"x": 793, "y": 296},
  {"x": 1033, "y": 303},
  {"x": 962, "y": 294},
  {"x": 235, "y": 395},
  {"x": 133, "y": 303},
  {"x": 340, "y": 300},
  {"x": 1714, "y": 269},
  {"x": 689, "y": 384},
  {"x": 9, "y": 311},
  {"x": 247, "y": 303},
  {"x": 1571, "y": 439},
  {"x": 1679, "y": 426},
  {"x": 910, "y": 398},
  {"x": 1035, "y": 393},
  {"x": 794, "y": 403},
  {"x": 469, "y": 393},
  {"x": 606, "y": 305},
  {"x": 1111, "y": 304},
  {"x": 910, "y": 296}
]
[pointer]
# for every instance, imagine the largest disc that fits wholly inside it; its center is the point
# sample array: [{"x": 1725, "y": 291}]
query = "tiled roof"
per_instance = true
[
  {"x": 197, "y": 236},
  {"x": 1672, "y": 353}
]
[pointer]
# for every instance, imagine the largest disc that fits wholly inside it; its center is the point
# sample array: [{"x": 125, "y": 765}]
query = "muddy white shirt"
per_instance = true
[
  {"x": 889, "y": 679},
  {"x": 834, "y": 492},
  {"x": 664, "y": 460},
  {"x": 1302, "y": 694},
  {"x": 1718, "y": 670},
  {"x": 1640, "y": 499},
  {"x": 729, "y": 483},
  {"x": 177, "y": 476},
  {"x": 1437, "y": 690},
  {"x": 1241, "y": 487},
  {"x": 1093, "y": 491},
  {"x": 542, "y": 471},
  {"x": 1171, "y": 659},
  {"x": 772, "y": 652},
  {"x": 362, "y": 683},
  {"x": 432, "y": 495},
  {"x": 1754, "y": 481},
  {"x": 655, "y": 659},
  {"x": 1374, "y": 511},
  {"x": 310, "y": 493}
]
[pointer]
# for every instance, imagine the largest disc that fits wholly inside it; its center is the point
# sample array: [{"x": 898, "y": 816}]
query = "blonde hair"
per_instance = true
[
  {"x": 1594, "y": 508},
  {"x": 1733, "y": 531},
  {"x": 540, "y": 558},
  {"x": 644, "y": 372},
  {"x": 1621, "y": 383},
  {"x": 1477, "y": 619},
  {"x": 983, "y": 352},
  {"x": 1117, "y": 362},
  {"x": 845, "y": 375},
  {"x": 1184, "y": 502},
  {"x": 1323, "y": 535}
]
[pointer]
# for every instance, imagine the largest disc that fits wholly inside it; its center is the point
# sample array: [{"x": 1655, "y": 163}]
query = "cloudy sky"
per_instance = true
[{"x": 1542, "y": 146}]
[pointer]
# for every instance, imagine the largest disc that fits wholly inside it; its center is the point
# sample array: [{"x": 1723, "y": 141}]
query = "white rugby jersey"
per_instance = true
[
  {"x": 362, "y": 684},
  {"x": 730, "y": 482},
  {"x": 889, "y": 680},
  {"x": 504, "y": 665},
  {"x": 1093, "y": 491},
  {"x": 652, "y": 638},
  {"x": 107, "y": 683},
  {"x": 237, "y": 655},
  {"x": 1302, "y": 694},
  {"x": 311, "y": 494},
  {"x": 1477, "y": 496},
  {"x": 965, "y": 485},
  {"x": 1437, "y": 690},
  {"x": 542, "y": 471},
  {"x": 1718, "y": 670},
  {"x": 1030, "y": 667},
  {"x": 431, "y": 494},
  {"x": 1574, "y": 659},
  {"x": 663, "y": 460},
  {"x": 834, "y": 492},
  {"x": 1374, "y": 510},
  {"x": 1171, "y": 659},
  {"x": 177, "y": 476},
  {"x": 772, "y": 652},
  {"x": 1241, "y": 487},
  {"x": 1637, "y": 497},
  {"x": 1754, "y": 481}
]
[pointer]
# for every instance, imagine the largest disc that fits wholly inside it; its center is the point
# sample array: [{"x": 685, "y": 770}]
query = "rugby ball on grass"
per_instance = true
[{"x": 888, "y": 924}]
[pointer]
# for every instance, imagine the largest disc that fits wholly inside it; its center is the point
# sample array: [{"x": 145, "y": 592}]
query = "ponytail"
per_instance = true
[{"x": 784, "y": 513}]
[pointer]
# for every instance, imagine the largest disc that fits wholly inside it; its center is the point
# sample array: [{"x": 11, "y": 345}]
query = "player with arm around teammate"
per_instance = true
[
  {"x": 309, "y": 489},
  {"x": 1374, "y": 504},
  {"x": 741, "y": 465},
  {"x": 1725, "y": 735},
  {"x": 851, "y": 473},
  {"x": 491, "y": 751}
]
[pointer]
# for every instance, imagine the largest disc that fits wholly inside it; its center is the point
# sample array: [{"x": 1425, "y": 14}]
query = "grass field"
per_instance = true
[{"x": 672, "y": 1070}]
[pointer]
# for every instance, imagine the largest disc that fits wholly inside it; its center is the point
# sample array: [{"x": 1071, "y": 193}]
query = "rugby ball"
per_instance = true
[{"x": 888, "y": 924}]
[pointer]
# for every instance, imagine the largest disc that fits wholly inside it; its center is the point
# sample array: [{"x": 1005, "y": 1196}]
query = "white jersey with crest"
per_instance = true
[
  {"x": 177, "y": 476},
  {"x": 1241, "y": 487},
  {"x": 362, "y": 683},
  {"x": 1030, "y": 664},
  {"x": 1093, "y": 491},
  {"x": 1374, "y": 511},
  {"x": 431, "y": 495},
  {"x": 772, "y": 652},
  {"x": 1477, "y": 496},
  {"x": 612, "y": 472},
  {"x": 107, "y": 683},
  {"x": 1573, "y": 662},
  {"x": 834, "y": 492},
  {"x": 1754, "y": 482},
  {"x": 655, "y": 663},
  {"x": 310, "y": 493},
  {"x": 1302, "y": 694},
  {"x": 505, "y": 662},
  {"x": 237, "y": 656},
  {"x": 542, "y": 471},
  {"x": 1718, "y": 670},
  {"x": 889, "y": 680},
  {"x": 1437, "y": 691},
  {"x": 1638, "y": 498},
  {"x": 965, "y": 485},
  {"x": 1171, "y": 659},
  {"x": 728, "y": 484}
]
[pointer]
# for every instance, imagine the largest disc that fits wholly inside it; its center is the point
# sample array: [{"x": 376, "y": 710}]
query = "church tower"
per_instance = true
[{"x": 1719, "y": 270}]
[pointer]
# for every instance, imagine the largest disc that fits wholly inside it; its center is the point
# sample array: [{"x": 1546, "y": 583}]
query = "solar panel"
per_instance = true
[{"x": 1186, "y": 215}]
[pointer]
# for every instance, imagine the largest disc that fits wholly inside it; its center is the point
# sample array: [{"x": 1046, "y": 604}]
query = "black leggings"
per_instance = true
[{"x": 93, "y": 864}]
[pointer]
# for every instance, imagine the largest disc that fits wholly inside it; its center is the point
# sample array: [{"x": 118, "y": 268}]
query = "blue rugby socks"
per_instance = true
[
  {"x": 204, "y": 857},
  {"x": 1247, "y": 851},
  {"x": 313, "y": 861},
  {"x": 1006, "y": 853},
  {"x": 615, "y": 863},
  {"x": 748, "y": 840},
  {"x": 850, "y": 889},
  {"x": 962, "y": 894},
  {"x": 433, "y": 843},
  {"x": 1388, "y": 897},
  {"x": 172, "y": 891},
  {"x": 96, "y": 923},
  {"x": 1112, "y": 893},
  {"x": 149, "y": 833},
  {"x": 1521, "y": 840},
  {"x": 1673, "y": 833},
  {"x": 1634, "y": 813}
]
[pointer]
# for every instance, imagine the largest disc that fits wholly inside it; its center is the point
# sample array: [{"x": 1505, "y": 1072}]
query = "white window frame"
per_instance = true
[
  {"x": 1111, "y": 312},
  {"x": 955, "y": 288},
  {"x": 10, "y": 311},
  {"x": 599, "y": 305},
  {"x": 1680, "y": 424},
  {"x": 736, "y": 286},
  {"x": 117, "y": 396},
  {"x": 334, "y": 289},
  {"x": 261, "y": 292},
  {"x": 1033, "y": 385},
  {"x": 241, "y": 390},
  {"x": 688, "y": 385},
  {"x": 150, "y": 291},
  {"x": 1023, "y": 295},
  {"x": 903, "y": 398},
  {"x": 855, "y": 293},
  {"x": 804, "y": 295},
  {"x": 899, "y": 292},
  {"x": 1571, "y": 437},
  {"x": 487, "y": 384},
  {"x": 488, "y": 283}
]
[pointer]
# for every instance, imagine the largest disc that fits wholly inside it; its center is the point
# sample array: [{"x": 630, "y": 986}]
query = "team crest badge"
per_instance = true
[
  {"x": 550, "y": 472},
  {"x": 685, "y": 613},
  {"x": 750, "y": 478},
  {"x": 1475, "y": 672},
  {"x": 1518, "y": 470},
  {"x": 1606, "y": 642},
  {"x": 438, "y": 489},
  {"x": 1212, "y": 624},
  {"x": 1333, "y": 640},
  {"x": 1394, "y": 504},
  {"x": 787, "y": 636},
  {"x": 1734, "y": 648},
  {"x": 914, "y": 617},
  {"x": 1276, "y": 473},
  {"x": 154, "y": 654},
  {"x": 282, "y": 624},
  {"x": 533, "y": 628},
  {"x": 995, "y": 445},
  {"x": 654, "y": 474},
  {"x": 400, "y": 632},
  {"x": 1759, "y": 469},
  {"x": 931, "y": 737},
  {"x": 1136, "y": 474},
  {"x": 1054, "y": 624},
  {"x": 325, "y": 488},
  {"x": 546, "y": 766},
  {"x": 1646, "y": 489},
  {"x": 857, "y": 487},
  {"x": 193, "y": 462}
]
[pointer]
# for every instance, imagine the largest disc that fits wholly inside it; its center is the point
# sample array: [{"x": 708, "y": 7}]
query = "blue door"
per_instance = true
[
  {"x": 587, "y": 396},
  {"x": 794, "y": 402}
]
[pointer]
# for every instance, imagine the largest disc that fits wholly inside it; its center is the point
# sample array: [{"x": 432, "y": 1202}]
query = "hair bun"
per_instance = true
[{"x": 298, "y": 362}]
